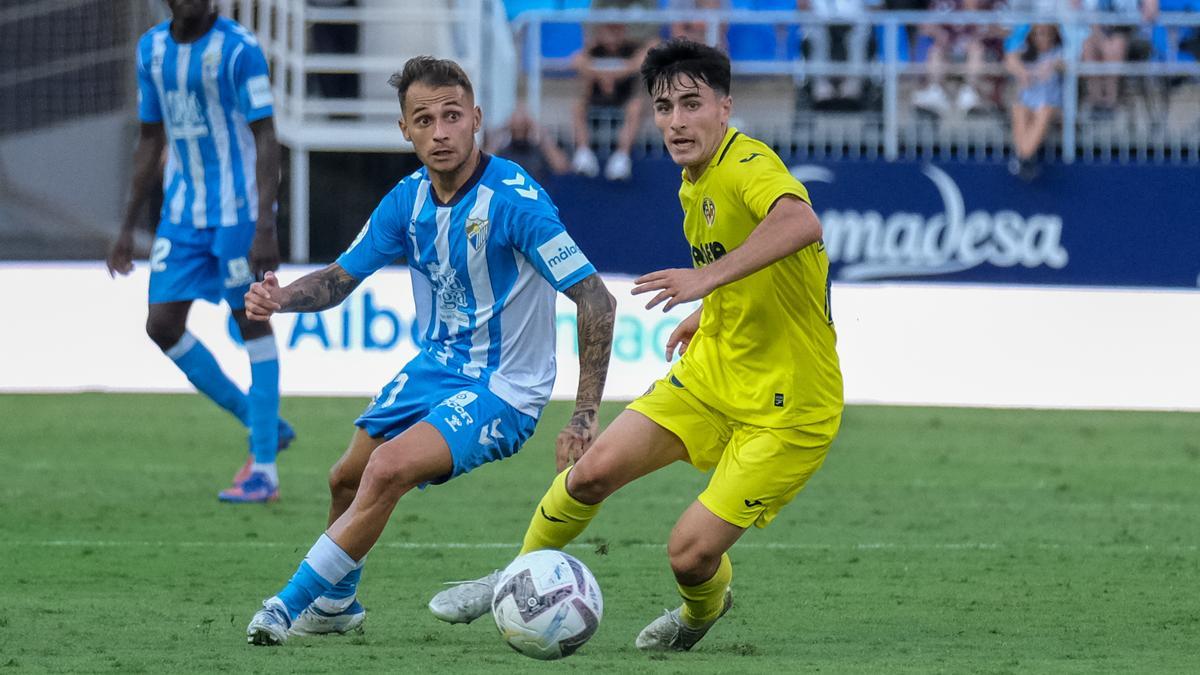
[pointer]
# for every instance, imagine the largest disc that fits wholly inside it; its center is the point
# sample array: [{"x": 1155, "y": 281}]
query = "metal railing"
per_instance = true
[{"x": 896, "y": 138}]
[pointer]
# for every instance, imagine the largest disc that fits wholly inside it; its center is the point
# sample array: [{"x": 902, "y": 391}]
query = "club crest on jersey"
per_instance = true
[
  {"x": 477, "y": 232},
  {"x": 710, "y": 210}
]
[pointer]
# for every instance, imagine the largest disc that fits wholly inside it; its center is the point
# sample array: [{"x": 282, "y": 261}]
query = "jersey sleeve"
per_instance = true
[
  {"x": 380, "y": 242},
  {"x": 252, "y": 82},
  {"x": 761, "y": 179},
  {"x": 538, "y": 233},
  {"x": 149, "y": 107}
]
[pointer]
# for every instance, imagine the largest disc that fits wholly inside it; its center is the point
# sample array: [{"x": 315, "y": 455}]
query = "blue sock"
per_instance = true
[
  {"x": 264, "y": 398},
  {"x": 341, "y": 596},
  {"x": 202, "y": 370},
  {"x": 325, "y": 565}
]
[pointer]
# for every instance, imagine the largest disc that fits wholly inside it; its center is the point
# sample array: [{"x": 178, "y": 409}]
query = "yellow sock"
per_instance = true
[
  {"x": 559, "y": 518},
  {"x": 704, "y": 602}
]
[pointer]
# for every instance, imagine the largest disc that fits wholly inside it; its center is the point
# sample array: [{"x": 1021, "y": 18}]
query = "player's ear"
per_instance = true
[
  {"x": 478, "y": 119},
  {"x": 404, "y": 129}
]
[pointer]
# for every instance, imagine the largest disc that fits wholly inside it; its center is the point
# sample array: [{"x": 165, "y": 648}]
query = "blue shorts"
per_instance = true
[
  {"x": 188, "y": 263},
  {"x": 478, "y": 426}
]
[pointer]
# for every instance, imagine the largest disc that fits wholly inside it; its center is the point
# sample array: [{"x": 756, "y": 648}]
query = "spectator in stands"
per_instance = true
[
  {"x": 844, "y": 43},
  {"x": 1036, "y": 66},
  {"x": 524, "y": 142},
  {"x": 1110, "y": 44},
  {"x": 608, "y": 68},
  {"x": 958, "y": 43},
  {"x": 696, "y": 29}
]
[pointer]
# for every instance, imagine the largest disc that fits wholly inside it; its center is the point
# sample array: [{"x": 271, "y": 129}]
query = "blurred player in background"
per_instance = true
[
  {"x": 757, "y": 392},
  {"x": 205, "y": 95},
  {"x": 487, "y": 253}
]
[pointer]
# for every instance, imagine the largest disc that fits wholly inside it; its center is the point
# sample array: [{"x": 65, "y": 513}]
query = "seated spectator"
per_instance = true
[
  {"x": 608, "y": 69},
  {"x": 958, "y": 43},
  {"x": 843, "y": 43},
  {"x": 1110, "y": 44},
  {"x": 524, "y": 142},
  {"x": 1036, "y": 66},
  {"x": 696, "y": 29}
]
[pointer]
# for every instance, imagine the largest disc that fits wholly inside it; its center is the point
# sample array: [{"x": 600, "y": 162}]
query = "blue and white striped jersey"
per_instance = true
[
  {"x": 485, "y": 268},
  {"x": 206, "y": 93}
]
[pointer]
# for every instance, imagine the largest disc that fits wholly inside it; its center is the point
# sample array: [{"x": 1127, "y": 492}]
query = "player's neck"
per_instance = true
[
  {"x": 447, "y": 184},
  {"x": 190, "y": 30}
]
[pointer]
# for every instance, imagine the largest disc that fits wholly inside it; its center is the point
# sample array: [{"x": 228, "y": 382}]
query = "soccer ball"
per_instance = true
[{"x": 547, "y": 604}]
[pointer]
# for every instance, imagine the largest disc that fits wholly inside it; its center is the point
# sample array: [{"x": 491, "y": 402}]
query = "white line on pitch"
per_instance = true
[{"x": 866, "y": 546}]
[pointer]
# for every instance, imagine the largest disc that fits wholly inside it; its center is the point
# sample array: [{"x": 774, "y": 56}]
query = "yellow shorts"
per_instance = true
[{"x": 758, "y": 469}]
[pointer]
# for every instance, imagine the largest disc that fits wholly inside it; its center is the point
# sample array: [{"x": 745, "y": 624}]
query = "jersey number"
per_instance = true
[
  {"x": 398, "y": 383},
  {"x": 158, "y": 254}
]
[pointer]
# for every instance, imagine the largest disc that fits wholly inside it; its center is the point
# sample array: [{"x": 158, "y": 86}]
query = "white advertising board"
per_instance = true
[{"x": 68, "y": 327}]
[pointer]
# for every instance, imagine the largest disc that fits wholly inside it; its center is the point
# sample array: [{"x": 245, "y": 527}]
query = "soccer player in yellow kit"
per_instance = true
[{"x": 756, "y": 395}]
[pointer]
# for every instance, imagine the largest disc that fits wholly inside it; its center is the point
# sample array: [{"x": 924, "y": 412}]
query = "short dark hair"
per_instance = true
[
  {"x": 689, "y": 59},
  {"x": 431, "y": 71}
]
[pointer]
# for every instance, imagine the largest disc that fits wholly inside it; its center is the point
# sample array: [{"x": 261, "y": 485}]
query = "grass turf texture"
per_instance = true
[{"x": 933, "y": 540}]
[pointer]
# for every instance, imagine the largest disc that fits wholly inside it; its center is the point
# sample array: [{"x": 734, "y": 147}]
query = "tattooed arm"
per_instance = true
[
  {"x": 312, "y": 292},
  {"x": 596, "y": 309}
]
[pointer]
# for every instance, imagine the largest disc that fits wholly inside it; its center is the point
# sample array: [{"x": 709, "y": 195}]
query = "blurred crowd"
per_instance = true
[{"x": 968, "y": 69}]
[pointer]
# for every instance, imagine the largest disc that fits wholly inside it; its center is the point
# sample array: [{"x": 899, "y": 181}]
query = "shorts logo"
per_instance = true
[
  {"x": 458, "y": 404},
  {"x": 778, "y": 400},
  {"x": 490, "y": 433},
  {"x": 238, "y": 273},
  {"x": 752, "y": 504},
  {"x": 477, "y": 232},
  {"x": 562, "y": 256},
  {"x": 710, "y": 210}
]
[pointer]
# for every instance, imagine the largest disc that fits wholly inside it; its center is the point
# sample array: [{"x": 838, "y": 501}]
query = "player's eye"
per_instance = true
[
  {"x": 662, "y": 108},
  {"x": 453, "y": 116},
  {"x": 692, "y": 105}
]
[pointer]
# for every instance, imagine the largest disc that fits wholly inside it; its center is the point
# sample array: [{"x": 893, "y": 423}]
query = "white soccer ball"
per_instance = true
[{"x": 547, "y": 604}]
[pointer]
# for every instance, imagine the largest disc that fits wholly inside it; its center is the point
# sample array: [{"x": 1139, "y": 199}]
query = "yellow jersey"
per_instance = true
[{"x": 765, "y": 353}]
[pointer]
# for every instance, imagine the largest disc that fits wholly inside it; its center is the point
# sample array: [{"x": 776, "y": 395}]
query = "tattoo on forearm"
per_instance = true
[
  {"x": 320, "y": 290},
  {"x": 596, "y": 313}
]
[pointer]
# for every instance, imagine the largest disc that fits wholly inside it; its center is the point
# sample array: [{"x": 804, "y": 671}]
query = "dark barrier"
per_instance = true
[{"x": 1101, "y": 225}]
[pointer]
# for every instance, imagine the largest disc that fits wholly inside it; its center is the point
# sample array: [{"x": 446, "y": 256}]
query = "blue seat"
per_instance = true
[{"x": 1160, "y": 36}]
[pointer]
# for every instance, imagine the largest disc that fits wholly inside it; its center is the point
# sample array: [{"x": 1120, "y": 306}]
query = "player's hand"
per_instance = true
[
  {"x": 264, "y": 298},
  {"x": 264, "y": 252},
  {"x": 675, "y": 286},
  {"x": 120, "y": 256},
  {"x": 681, "y": 337},
  {"x": 575, "y": 438}
]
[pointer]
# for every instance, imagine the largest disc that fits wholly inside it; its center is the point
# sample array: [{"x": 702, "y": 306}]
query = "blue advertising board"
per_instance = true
[{"x": 1089, "y": 225}]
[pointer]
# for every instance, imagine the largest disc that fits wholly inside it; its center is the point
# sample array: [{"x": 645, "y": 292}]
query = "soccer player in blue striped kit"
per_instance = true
[
  {"x": 204, "y": 94},
  {"x": 487, "y": 253}
]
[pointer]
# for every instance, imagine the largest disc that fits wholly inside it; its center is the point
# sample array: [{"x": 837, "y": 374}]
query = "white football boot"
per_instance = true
[
  {"x": 466, "y": 600},
  {"x": 669, "y": 633},
  {"x": 315, "y": 621},
  {"x": 270, "y": 625}
]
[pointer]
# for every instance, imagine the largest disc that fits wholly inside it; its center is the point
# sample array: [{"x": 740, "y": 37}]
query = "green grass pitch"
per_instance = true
[{"x": 933, "y": 540}]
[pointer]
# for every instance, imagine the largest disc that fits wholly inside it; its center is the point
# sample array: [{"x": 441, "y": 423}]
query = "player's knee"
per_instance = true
[
  {"x": 388, "y": 478},
  {"x": 589, "y": 483},
  {"x": 165, "y": 332}
]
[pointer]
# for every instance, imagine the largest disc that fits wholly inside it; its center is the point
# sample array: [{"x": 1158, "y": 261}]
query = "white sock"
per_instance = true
[
  {"x": 333, "y": 605},
  {"x": 270, "y": 469}
]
